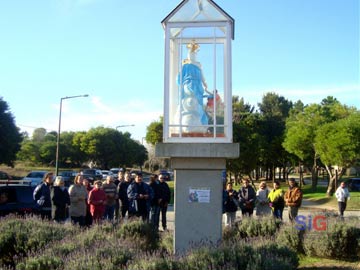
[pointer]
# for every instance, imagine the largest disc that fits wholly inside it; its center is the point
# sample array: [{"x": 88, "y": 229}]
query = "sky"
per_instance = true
[{"x": 113, "y": 50}]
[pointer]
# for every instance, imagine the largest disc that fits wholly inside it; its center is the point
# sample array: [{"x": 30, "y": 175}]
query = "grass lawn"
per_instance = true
[
  {"x": 319, "y": 196},
  {"x": 307, "y": 262}
]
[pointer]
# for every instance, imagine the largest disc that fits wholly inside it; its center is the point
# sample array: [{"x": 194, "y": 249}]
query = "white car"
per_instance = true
[
  {"x": 36, "y": 177},
  {"x": 105, "y": 173}
]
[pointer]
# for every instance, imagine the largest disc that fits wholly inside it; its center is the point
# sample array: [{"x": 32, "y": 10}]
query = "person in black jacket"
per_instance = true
[
  {"x": 230, "y": 205},
  {"x": 42, "y": 197},
  {"x": 154, "y": 203},
  {"x": 164, "y": 199},
  {"x": 247, "y": 196},
  {"x": 140, "y": 195},
  {"x": 60, "y": 200},
  {"x": 122, "y": 194}
]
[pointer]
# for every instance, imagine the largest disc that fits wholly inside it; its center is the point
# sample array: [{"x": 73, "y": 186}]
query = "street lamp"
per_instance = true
[
  {"x": 58, "y": 135},
  {"x": 124, "y": 126}
]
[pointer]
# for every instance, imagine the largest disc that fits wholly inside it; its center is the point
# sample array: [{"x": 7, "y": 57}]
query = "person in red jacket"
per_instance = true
[{"x": 97, "y": 201}]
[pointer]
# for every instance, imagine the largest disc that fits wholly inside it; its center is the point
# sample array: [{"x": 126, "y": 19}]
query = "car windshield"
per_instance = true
[
  {"x": 89, "y": 171},
  {"x": 36, "y": 175}
]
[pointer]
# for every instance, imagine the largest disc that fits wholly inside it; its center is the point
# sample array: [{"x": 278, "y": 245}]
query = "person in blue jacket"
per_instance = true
[
  {"x": 140, "y": 195},
  {"x": 42, "y": 196}
]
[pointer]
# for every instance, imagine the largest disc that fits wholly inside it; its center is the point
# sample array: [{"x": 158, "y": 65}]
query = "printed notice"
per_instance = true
[{"x": 199, "y": 195}]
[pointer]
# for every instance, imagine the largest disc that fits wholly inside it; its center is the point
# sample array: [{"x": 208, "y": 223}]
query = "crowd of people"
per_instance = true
[
  {"x": 116, "y": 200},
  {"x": 113, "y": 200},
  {"x": 267, "y": 202}
]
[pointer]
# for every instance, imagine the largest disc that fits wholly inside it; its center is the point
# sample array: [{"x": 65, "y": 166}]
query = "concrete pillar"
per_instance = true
[{"x": 197, "y": 170}]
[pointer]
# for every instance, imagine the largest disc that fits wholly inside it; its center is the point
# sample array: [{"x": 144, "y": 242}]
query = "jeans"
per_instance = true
[
  {"x": 163, "y": 210},
  {"x": 278, "y": 213},
  {"x": 230, "y": 218},
  {"x": 109, "y": 212},
  {"x": 155, "y": 216}
]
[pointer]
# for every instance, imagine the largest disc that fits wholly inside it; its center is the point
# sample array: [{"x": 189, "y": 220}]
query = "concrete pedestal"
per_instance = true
[{"x": 198, "y": 190}]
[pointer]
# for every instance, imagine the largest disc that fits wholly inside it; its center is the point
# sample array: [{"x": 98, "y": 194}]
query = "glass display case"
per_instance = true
[{"x": 197, "y": 85}]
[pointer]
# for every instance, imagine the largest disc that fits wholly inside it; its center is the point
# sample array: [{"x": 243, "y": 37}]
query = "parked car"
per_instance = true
[
  {"x": 105, "y": 173},
  {"x": 68, "y": 177},
  {"x": 17, "y": 199},
  {"x": 35, "y": 177},
  {"x": 354, "y": 184},
  {"x": 4, "y": 176},
  {"x": 115, "y": 172},
  {"x": 133, "y": 173},
  {"x": 166, "y": 175},
  {"x": 92, "y": 174}
]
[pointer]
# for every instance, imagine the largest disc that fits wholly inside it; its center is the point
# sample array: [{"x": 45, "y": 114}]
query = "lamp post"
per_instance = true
[
  {"x": 58, "y": 135},
  {"x": 124, "y": 126}
]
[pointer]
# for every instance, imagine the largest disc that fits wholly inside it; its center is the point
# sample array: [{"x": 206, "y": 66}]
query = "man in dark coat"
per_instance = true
[
  {"x": 139, "y": 194},
  {"x": 42, "y": 197},
  {"x": 164, "y": 199},
  {"x": 155, "y": 208},
  {"x": 122, "y": 194}
]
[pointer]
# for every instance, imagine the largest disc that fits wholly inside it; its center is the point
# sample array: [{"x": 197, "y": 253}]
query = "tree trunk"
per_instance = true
[
  {"x": 314, "y": 177},
  {"x": 285, "y": 173},
  {"x": 331, "y": 185},
  {"x": 333, "y": 179}
]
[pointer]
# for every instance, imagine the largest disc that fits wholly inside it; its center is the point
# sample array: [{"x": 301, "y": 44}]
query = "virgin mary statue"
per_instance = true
[{"x": 192, "y": 89}]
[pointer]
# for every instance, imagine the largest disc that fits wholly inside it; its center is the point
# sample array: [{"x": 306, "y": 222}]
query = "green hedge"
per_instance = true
[{"x": 30, "y": 243}]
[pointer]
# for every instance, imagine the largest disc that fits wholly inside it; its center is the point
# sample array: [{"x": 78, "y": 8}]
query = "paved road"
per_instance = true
[{"x": 307, "y": 208}]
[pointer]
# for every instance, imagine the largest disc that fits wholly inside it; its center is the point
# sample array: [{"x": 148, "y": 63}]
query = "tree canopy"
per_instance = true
[
  {"x": 321, "y": 132},
  {"x": 10, "y": 137},
  {"x": 102, "y": 147},
  {"x": 282, "y": 134}
]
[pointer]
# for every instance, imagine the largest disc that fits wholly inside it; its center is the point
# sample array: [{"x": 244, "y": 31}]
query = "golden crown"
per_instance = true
[{"x": 193, "y": 46}]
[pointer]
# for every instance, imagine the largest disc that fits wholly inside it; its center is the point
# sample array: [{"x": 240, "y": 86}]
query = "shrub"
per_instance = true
[
  {"x": 41, "y": 263},
  {"x": 91, "y": 236},
  {"x": 141, "y": 235},
  {"x": 206, "y": 258},
  {"x": 166, "y": 243},
  {"x": 339, "y": 241},
  {"x": 250, "y": 227},
  {"x": 269, "y": 256},
  {"x": 261, "y": 254},
  {"x": 230, "y": 233},
  {"x": 153, "y": 263},
  {"x": 20, "y": 236},
  {"x": 291, "y": 237},
  {"x": 94, "y": 248}
]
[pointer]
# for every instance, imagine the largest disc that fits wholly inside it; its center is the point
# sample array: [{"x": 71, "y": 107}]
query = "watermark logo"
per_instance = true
[{"x": 311, "y": 223}]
